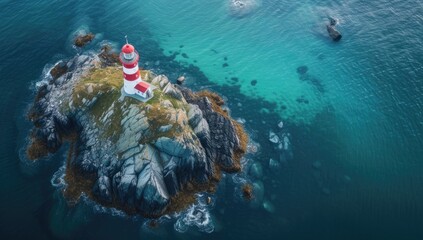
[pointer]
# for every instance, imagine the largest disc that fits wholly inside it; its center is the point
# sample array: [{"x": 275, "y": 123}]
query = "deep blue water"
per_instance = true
[{"x": 355, "y": 169}]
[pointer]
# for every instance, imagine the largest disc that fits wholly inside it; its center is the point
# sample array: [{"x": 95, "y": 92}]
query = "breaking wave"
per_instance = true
[{"x": 197, "y": 215}]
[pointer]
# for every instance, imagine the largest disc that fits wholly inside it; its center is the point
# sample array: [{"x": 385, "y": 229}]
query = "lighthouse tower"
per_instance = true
[{"x": 132, "y": 82}]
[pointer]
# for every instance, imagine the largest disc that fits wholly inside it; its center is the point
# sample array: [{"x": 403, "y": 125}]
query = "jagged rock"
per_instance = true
[
  {"x": 134, "y": 155},
  {"x": 171, "y": 90}
]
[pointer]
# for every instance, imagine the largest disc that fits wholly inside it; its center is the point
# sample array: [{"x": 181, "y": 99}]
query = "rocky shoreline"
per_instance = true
[{"x": 147, "y": 159}]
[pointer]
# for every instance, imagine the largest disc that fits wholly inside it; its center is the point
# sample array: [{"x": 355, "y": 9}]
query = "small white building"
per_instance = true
[{"x": 143, "y": 89}]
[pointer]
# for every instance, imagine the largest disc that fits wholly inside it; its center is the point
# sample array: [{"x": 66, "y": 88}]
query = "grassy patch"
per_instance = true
[
  {"x": 105, "y": 84},
  {"x": 103, "y": 103},
  {"x": 97, "y": 81},
  {"x": 112, "y": 128}
]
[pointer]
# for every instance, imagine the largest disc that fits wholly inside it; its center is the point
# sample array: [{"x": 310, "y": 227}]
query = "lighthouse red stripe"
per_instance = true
[
  {"x": 130, "y": 65},
  {"x": 131, "y": 77}
]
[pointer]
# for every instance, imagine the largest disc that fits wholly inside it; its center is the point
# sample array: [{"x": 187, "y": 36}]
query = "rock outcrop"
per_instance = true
[
  {"x": 333, "y": 33},
  {"x": 146, "y": 158},
  {"x": 83, "y": 39}
]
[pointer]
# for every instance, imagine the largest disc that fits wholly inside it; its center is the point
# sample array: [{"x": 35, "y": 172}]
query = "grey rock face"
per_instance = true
[
  {"x": 152, "y": 195},
  {"x": 221, "y": 140},
  {"x": 202, "y": 130},
  {"x": 171, "y": 146},
  {"x": 172, "y": 91},
  {"x": 194, "y": 115}
]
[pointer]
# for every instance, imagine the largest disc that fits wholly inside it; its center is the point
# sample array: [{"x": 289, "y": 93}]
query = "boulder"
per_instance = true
[
  {"x": 180, "y": 80},
  {"x": 333, "y": 33},
  {"x": 83, "y": 39}
]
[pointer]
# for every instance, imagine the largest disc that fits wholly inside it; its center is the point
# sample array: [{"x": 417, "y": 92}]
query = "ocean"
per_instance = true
[{"x": 351, "y": 112}]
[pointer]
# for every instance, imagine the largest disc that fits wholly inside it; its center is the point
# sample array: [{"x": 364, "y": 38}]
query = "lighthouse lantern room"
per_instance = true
[{"x": 132, "y": 82}]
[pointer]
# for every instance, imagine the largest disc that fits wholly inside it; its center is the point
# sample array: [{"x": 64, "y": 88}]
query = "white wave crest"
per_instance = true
[
  {"x": 58, "y": 179},
  {"x": 197, "y": 215}
]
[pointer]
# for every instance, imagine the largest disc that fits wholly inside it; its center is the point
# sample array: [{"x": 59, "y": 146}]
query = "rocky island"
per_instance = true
[{"x": 142, "y": 158}]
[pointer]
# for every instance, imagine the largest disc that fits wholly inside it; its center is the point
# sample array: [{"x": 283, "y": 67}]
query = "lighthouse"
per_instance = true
[{"x": 132, "y": 82}]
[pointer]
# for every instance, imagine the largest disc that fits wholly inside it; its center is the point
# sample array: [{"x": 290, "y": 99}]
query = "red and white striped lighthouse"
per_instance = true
[{"x": 132, "y": 82}]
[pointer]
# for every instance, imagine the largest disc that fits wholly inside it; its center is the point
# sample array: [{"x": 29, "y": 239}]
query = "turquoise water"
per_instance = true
[{"x": 357, "y": 156}]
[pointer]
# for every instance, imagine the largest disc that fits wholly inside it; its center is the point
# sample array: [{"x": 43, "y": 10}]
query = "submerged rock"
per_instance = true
[
  {"x": 274, "y": 164},
  {"x": 256, "y": 170},
  {"x": 273, "y": 137},
  {"x": 147, "y": 158},
  {"x": 268, "y": 206},
  {"x": 302, "y": 69},
  {"x": 258, "y": 189},
  {"x": 317, "y": 165}
]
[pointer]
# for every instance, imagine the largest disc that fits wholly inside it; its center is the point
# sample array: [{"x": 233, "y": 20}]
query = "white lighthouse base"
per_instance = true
[
  {"x": 136, "y": 96},
  {"x": 129, "y": 86}
]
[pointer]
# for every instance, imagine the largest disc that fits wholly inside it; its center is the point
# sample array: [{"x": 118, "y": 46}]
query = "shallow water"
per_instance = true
[{"x": 354, "y": 118}]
